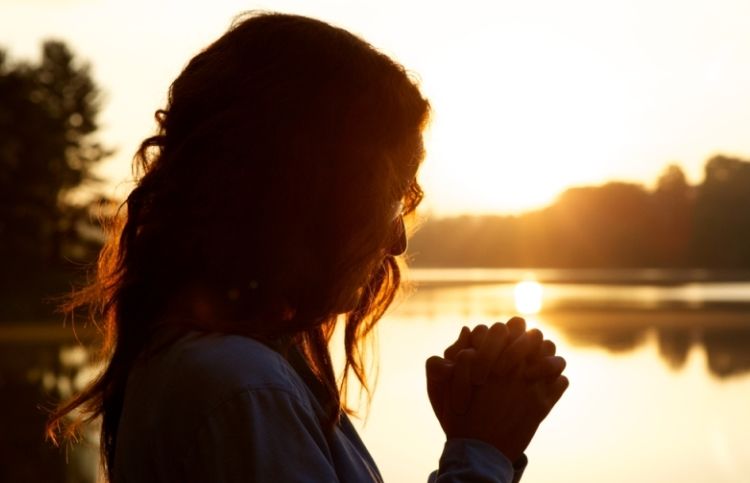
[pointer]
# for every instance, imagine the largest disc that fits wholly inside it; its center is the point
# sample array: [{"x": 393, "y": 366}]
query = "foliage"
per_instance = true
[
  {"x": 48, "y": 112},
  {"x": 617, "y": 225},
  {"x": 721, "y": 237},
  {"x": 48, "y": 115}
]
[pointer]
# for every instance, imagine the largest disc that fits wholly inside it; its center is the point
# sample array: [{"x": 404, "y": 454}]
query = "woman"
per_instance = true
[{"x": 271, "y": 205}]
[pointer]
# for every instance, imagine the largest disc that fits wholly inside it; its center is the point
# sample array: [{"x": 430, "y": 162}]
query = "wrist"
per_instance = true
[{"x": 519, "y": 464}]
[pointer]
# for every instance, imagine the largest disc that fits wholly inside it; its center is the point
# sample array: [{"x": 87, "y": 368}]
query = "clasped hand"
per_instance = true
[{"x": 496, "y": 385}]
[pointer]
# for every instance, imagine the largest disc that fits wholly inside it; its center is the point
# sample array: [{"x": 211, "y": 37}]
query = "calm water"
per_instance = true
[
  {"x": 659, "y": 365},
  {"x": 660, "y": 378}
]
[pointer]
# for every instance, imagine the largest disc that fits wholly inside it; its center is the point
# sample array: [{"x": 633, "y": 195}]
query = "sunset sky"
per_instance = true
[{"x": 529, "y": 97}]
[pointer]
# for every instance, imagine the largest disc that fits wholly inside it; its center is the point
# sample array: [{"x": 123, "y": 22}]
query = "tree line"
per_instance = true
[
  {"x": 615, "y": 225},
  {"x": 48, "y": 152}
]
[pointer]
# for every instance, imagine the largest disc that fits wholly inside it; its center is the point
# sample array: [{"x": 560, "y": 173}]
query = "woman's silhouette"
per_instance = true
[{"x": 271, "y": 205}]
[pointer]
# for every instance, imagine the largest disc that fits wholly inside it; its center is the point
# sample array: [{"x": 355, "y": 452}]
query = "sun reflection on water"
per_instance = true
[{"x": 528, "y": 296}]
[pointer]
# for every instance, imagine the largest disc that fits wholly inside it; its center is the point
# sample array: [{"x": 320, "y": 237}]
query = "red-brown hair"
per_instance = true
[{"x": 269, "y": 188}]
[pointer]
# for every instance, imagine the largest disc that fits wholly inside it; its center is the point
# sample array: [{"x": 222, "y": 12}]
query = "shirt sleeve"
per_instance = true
[
  {"x": 260, "y": 435},
  {"x": 471, "y": 460}
]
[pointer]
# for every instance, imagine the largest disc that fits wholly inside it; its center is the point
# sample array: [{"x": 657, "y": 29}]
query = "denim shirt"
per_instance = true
[{"x": 226, "y": 408}]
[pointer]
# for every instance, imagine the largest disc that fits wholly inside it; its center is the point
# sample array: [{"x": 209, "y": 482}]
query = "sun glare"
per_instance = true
[
  {"x": 518, "y": 137},
  {"x": 528, "y": 297}
]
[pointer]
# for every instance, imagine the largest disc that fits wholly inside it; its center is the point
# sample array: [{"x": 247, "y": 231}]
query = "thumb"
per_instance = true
[
  {"x": 438, "y": 376},
  {"x": 438, "y": 369}
]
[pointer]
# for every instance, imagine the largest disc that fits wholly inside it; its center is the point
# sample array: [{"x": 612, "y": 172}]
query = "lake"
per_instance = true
[{"x": 659, "y": 364}]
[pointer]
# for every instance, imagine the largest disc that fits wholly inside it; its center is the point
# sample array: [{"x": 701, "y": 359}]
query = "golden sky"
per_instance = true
[{"x": 529, "y": 97}]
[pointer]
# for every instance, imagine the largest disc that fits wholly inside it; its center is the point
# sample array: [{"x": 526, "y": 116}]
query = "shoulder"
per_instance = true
[
  {"x": 218, "y": 406},
  {"x": 239, "y": 360},
  {"x": 203, "y": 371}
]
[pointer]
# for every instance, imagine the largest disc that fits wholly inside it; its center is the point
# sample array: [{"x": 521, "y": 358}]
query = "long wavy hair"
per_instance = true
[{"x": 267, "y": 198}]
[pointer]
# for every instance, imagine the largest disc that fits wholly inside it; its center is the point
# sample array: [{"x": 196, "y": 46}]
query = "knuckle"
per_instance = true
[{"x": 466, "y": 355}]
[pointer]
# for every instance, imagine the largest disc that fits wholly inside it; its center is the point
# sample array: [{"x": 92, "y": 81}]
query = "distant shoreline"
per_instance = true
[
  {"x": 706, "y": 318},
  {"x": 454, "y": 276},
  {"x": 713, "y": 316},
  {"x": 46, "y": 331}
]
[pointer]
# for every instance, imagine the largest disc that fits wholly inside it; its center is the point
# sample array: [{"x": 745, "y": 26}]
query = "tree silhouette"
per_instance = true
[
  {"x": 615, "y": 225},
  {"x": 674, "y": 202},
  {"x": 721, "y": 234},
  {"x": 48, "y": 117},
  {"x": 48, "y": 113}
]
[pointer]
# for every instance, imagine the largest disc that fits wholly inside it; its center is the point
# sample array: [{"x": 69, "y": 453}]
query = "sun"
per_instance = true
[
  {"x": 507, "y": 139},
  {"x": 528, "y": 296}
]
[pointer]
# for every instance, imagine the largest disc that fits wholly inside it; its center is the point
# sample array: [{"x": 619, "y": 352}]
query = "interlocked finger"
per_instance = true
[
  {"x": 461, "y": 387},
  {"x": 463, "y": 342},
  {"x": 549, "y": 367},
  {"x": 516, "y": 327},
  {"x": 478, "y": 335},
  {"x": 547, "y": 349},
  {"x": 492, "y": 347},
  {"x": 518, "y": 351}
]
